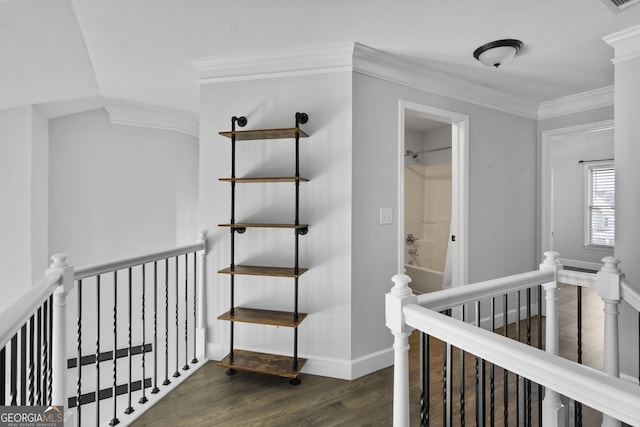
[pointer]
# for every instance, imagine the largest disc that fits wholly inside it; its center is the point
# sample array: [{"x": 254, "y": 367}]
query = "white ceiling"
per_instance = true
[{"x": 143, "y": 50}]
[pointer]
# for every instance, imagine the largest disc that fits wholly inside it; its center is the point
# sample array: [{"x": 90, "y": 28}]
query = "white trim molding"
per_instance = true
[
  {"x": 584, "y": 101},
  {"x": 285, "y": 63},
  {"x": 626, "y": 44},
  {"x": 130, "y": 113},
  {"x": 356, "y": 57}
]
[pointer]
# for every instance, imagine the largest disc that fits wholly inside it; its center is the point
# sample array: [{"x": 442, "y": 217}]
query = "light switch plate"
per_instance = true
[{"x": 386, "y": 216}]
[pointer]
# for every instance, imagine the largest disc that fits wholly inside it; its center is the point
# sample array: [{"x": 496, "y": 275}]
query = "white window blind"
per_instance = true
[{"x": 600, "y": 230}]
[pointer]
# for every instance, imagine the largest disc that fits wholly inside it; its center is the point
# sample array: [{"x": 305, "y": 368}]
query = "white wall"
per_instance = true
[
  {"x": 23, "y": 190},
  {"x": 325, "y": 290},
  {"x": 119, "y": 191},
  {"x": 569, "y": 195},
  {"x": 502, "y": 205}
]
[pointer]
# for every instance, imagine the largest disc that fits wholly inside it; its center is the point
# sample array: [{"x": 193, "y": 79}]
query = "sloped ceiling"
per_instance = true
[{"x": 143, "y": 50}]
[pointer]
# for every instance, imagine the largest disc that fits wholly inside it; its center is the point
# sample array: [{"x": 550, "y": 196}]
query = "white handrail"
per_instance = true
[
  {"x": 81, "y": 273},
  {"x": 578, "y": 278},
  {"x": 610, "y": 395},
  {"x": 629, "y": 294},
  {"x": 447, "y": 298},
  {"x": 21, "y": 310}
]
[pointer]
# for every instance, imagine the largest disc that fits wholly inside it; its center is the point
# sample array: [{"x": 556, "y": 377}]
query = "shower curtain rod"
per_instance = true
[{"x": 415, "y": 153}]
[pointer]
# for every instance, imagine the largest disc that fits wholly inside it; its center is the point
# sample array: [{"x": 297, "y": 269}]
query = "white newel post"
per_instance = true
[
  {"x": 609, "y": 290},
  {"x": 400, "y": 296},
  {"x": 201, "y": 336},
  {"x": 59, "y": 344},
  {"x": 552, "y": 408}
]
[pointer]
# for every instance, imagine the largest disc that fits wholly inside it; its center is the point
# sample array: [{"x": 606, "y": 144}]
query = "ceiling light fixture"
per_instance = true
[{"x": 498, "y": 52}]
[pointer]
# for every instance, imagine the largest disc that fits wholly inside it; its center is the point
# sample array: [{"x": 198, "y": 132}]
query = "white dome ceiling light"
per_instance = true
[{"x": 497, "y": 52}]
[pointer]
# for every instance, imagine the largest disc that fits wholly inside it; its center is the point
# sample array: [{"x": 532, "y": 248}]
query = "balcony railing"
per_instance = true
[
  {"x": 104, "y": 342},
  {"x": 535, "y": 379}
]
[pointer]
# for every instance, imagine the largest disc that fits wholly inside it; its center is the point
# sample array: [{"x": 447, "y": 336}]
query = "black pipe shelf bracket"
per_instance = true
[{"x": 242, "y": 360}]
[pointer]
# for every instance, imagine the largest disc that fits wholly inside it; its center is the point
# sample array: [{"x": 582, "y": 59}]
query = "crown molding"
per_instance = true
[
  {"x": 359, "y": 58},
  {"x": 291, "y": 62},
  {"x": 385, "y": 66},
  {"x": 584, "y": 101},
  {"x": 626, "y": 44},
  {"x": 130, "y": 113}
]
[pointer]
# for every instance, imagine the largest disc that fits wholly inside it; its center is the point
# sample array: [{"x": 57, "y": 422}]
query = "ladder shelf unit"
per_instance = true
[{"x": 273, "y": 364}]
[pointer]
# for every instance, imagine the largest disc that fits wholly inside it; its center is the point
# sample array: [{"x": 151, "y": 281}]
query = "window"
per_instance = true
[{"x": 600, "y": 204}]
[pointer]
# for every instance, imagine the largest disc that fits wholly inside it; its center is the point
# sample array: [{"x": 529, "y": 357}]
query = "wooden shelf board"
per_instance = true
[
  {"x": 263, "y": 317},
  {"x": 265, "y": 179},
  {"x": 252, "y": 135},
  {"x": 253, "y": 270},
  {"x": 263, "y": 225},
  {"x": 262, "y": 363}
]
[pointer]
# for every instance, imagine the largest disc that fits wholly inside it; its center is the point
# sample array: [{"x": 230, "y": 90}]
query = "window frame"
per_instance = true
[{"x": 589, "y": 168}]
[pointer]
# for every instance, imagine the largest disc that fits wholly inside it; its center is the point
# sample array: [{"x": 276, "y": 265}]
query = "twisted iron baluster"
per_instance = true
[
  {"x": 424, "y": 389},
  {"x": 23, "y": 364},
  {"x": 38, "y": 357},
  {"x": 176, "y": 374},
  {"x": 3, "y": 379},
  {"x": 14, "y": 370},
  {"x": 97, "y": 350},
  {"x": 166, "y": 323},
  {"x": 79, "y": 355},
  {"x": 195, "y": 305},
  {"x": 528, "y": 382},
  {"x": 143, "y": 399},
  {"x": 31, "y": 362},
  {"x": 50, "y": 362},
  {"x": 45, "y": 353},
  {"x": 114, "y": 395},
  {"x": 155, "y": 328},
  {"x": 186, "y": 316},
  {"x": 129, "y": 409}
]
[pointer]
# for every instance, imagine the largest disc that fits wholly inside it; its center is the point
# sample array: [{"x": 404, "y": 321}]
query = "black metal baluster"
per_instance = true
[
  {"x": 23, "y": 364},
  {"x": 518, "y": 388},
  {"x": 425, "y": 392},
  {"x": 45, "y": 352},
  {"x": 540, "y": 348},
  {"x": 14, "y": 370},
  {"x": 97, "y": 398},
  {"x": 38, "y": 358},
  {"x": 114, "y": 394},
  {"x": 143, "y": 399},
  {"x": 195, "y": 305},
  {"x": 480, "y": 378},
  {"x": 447, "y": 416},
  {"x": 32, "y": 377},
  {"x": 492, "y": 372},
  {"x": 462, "y": 414},
  {"x": 166, "y": 323},
  {"x": 155, "y": 328},
  {"x": 129, "y": 409},
  {"x": 3, "y": 375},
  {"x": 578, "y": 405},
  {"x": 528, "y": 381},
  {"x": 186, "y": 315},
  {"x": 79, "y": 355},
  {"x": 50, "y": 354},
  {"x": 505, "y": 312},
  {"x": 176, "y": 374}
]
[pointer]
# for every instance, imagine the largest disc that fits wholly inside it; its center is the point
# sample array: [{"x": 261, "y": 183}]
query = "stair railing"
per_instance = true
[
  {"x": 434, "y": 315},
  {"x": 165, "y": 291}
]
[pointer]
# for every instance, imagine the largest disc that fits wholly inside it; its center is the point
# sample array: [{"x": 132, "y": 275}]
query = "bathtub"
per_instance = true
[{"x": 423, "y": 280}]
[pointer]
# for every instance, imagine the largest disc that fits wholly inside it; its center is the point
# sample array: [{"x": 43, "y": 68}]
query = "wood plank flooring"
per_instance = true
[{"x": 211, "y": 398}]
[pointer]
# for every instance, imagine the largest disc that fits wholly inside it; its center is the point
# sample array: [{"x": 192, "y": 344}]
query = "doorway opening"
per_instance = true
[{"x": 432, "y": 203}]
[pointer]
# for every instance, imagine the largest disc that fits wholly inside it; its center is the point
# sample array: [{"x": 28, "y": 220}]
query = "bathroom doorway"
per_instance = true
[{"x": 433, "y": 197}]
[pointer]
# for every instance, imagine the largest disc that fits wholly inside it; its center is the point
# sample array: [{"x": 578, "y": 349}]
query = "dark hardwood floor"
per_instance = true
[{"x": 211, "y": 398}]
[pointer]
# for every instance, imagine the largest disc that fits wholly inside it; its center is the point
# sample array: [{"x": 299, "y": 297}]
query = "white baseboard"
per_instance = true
[
  {"x": 595, "y": 266},
  {"x": 324, "y": 366}
]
